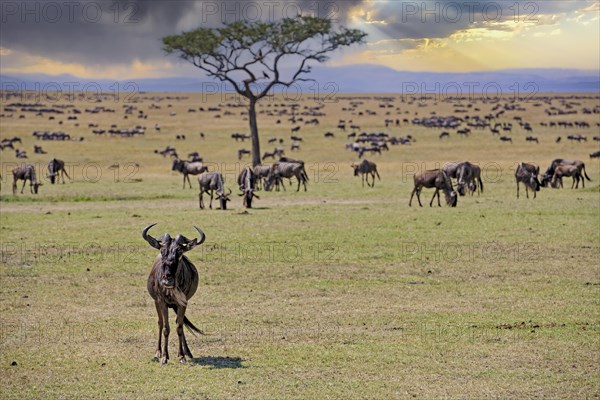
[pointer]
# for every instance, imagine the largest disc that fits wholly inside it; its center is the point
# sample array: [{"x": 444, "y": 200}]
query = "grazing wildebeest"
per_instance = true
[
  {"x": 286, "y": 170},
  {"x": 365, "y": 169},
  {"x": 188, "y": 168},
  {"x": 173, "y": 280},
  {"x": 247, "y": 184},
  {"x": 56, "y": 169},
  {"x": 25, "y": 173},
  {"x": 468, "y": 175},
  {"x": 528, "y": 175},
  {"x": 595, "y": 154},
  {"x": 532, "y": 139},
  {"x": 246, "y": 179},
  {"x": 547, "y": 177},
  {"x": 505, "y": 139},
  {"x": 437, "y": 179},
  {"x": 563, "y": 170},
  {"x": 209, "y": 183}
]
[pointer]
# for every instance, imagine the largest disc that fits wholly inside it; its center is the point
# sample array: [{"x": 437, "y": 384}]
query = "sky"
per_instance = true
[{"x": 122, "y": 39}]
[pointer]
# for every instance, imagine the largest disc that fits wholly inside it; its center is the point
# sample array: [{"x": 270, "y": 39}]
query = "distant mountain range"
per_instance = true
[{"x": 349, "y": 79}]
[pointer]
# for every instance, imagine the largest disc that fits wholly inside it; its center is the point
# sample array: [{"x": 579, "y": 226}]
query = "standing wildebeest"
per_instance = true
[
  {"x": 172, "y": 282},
  {"x": 209, "y": 183},
  {"x": 563, "y": 170},
  {"x": 547, "y": 177},
  {"x": 438, "y": 179},
  {"x": 188, "y": 168},
  {"x": 56, "y": 169},
  {"x": 247, "y": 184},
  {"x": 366, "y": 168},
  {"x": 286, "y": 170},
  {"x": 25, "y": 173},
  {"x": 528, "y": 175}
]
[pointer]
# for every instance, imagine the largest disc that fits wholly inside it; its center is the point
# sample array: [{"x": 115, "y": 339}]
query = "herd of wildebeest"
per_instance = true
[
  {"x": 173, "y": 279},
  {"x": 465, "y": 176}
]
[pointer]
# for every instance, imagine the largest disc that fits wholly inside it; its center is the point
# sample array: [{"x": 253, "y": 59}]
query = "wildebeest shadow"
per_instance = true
[{"x": 219, "y": 362}]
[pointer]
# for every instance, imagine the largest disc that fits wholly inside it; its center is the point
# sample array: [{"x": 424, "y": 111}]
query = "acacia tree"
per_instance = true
[{"x": 256, "y": 56}]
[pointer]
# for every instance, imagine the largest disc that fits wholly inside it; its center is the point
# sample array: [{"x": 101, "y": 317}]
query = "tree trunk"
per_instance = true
[{"x": 254, "y": 133}]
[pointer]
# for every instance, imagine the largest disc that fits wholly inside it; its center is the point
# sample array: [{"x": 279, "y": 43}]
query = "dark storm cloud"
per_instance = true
[
  {"x": 99, "y": 33},
  {"x": 95, "y": 32},
  {"x": 108, "y": 32}
]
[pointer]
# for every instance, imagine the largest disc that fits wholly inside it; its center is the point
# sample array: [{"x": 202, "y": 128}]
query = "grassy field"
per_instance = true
[{"x": 340, "y": 292}]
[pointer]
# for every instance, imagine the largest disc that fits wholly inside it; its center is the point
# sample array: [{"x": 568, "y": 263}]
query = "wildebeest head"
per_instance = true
[
  {"x": 248, "y": 194},
  {"x": 452, "y": 198},
  {"x": 36, "y": 186},
  {"x": 171, "y": 251},
  {"x": 223, "y": 199},
  {"x": 355, "y": 168},
  {"x": 460, "y": 187},
  {"x": 546, "y": 180}
]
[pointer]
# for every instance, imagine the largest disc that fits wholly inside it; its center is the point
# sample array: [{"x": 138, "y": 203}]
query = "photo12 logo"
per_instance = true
[{"x": 54, "y": 12}]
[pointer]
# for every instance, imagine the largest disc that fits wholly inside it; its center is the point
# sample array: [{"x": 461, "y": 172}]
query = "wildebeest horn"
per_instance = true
[
  {"x": 153, "y": 242},
  {"x": 202, "y": 235},
  {"x": 195, "y": 242}
]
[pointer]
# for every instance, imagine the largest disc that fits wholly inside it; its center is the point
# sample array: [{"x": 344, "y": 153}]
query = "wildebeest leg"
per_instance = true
[
  {"x": 527, "y": 190},
  {"x": 211, "y": 198},
  {"x": 517, "y": 189},
  {"x": 160, "y": 329},
  {"x": 24, "y": 182},
  {"x": 65, "y": 173},
  {"x": 417, "y": 191},
  {"x": 184, "y": 350},
  {"x": 437, "y": 192},
  {"x": 189, "y": 182},
  {"x": 164, "y": 311},
  {"x": 14, "y": 187},
  {"x": 363, "y": 180}
]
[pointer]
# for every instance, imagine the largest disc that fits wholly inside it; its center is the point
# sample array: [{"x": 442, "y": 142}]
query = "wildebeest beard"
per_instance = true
[{"x": 176, "y": 294}]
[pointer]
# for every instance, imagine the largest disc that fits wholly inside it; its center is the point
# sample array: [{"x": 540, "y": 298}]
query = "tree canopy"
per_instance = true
[{"x": 251, "y": 55}]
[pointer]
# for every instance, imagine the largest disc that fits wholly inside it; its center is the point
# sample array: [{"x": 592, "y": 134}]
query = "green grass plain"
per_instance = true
[{"x": 340, "y": 292}]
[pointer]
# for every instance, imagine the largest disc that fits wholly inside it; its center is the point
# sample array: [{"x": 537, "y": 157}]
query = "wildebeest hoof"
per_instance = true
[
  {"x": 182, "y": 359},
  {"x": 155, "y": 359},
  {"x": 163, "y": 361}
]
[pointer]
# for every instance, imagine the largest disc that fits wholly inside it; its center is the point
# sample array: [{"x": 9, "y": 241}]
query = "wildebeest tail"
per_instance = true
[
  {"x": 191, "y": 326},
  {"x": 304, "y": 175},
  {"x": 585, "y": 173},
  {"x": 480, "y": 184},
  {"x": 188, "y": 324}
]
